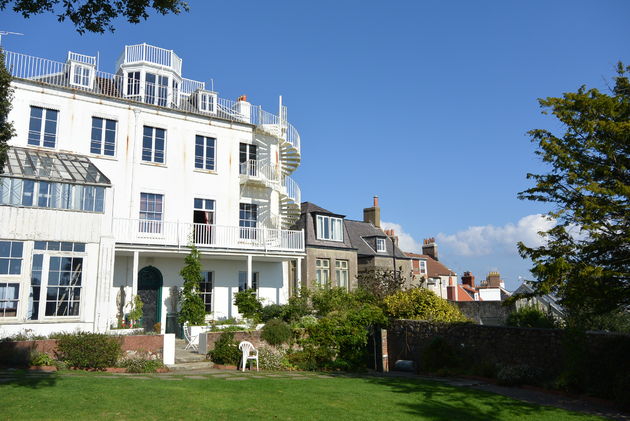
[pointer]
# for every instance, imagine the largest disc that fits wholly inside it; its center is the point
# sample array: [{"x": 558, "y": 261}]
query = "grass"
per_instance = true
[{"x": 94, "y": 397}]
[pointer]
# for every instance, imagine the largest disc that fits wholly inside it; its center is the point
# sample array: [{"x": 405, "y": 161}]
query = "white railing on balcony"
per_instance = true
[
  {"x": 178, "y": 234},
  {"x": 149, "y": 53},
  {"x": 41, "y": 70},
  {"x": 259, "y": 169},
  {"x": 82, "y": 58}
]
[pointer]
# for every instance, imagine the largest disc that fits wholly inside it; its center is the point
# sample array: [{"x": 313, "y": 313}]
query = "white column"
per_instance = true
[
  {"x": 298, "y": 274},
  {"x": 134, "y": 277},
  {"x": 249, "y": 271}
]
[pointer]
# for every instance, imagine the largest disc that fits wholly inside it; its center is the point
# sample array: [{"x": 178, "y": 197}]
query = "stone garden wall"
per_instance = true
[{"x": 544, "y": 349}]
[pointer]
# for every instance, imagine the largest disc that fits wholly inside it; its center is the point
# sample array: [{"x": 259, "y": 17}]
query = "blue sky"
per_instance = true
[{"x": 423, "y": 103}]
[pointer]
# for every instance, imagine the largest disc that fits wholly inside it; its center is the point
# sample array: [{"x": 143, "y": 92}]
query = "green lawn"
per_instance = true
[{"x": 94, "y": 396}]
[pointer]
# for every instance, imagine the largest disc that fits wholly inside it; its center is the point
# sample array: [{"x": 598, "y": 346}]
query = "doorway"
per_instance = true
[{"x": 150, "y": 292}]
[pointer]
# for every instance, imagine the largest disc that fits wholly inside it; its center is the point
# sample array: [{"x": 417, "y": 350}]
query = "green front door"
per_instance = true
[{"x": 150, "y": 292}]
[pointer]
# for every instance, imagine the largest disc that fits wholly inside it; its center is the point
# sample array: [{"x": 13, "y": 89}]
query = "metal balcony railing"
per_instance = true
[
  {"x": 182, "y": 98},
  {"x": 178, "y": 234},
  {"x": 272, "y": 177}
]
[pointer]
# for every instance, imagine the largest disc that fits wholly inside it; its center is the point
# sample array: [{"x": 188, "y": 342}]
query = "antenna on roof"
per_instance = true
[{"x": 7, "y": 33}]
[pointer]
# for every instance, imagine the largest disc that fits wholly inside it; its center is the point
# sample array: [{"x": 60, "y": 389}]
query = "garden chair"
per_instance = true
[
  {"x": 190, "y": 340},
  {"x": 249, "y": 353}
]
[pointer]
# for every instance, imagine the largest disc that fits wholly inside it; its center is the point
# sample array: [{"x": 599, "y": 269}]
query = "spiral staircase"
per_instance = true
[{"x": 277, "y": 177}]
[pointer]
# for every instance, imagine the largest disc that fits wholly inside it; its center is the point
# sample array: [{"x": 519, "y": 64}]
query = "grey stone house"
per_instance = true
[{"x": 338, "y": 248}]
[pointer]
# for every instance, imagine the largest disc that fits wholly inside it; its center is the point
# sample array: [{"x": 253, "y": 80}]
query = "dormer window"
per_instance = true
[
  {"x": 207, "y": 102},
  {"x": 380, "y": 245},
  {"x": 81, "y": 75},
  {"x": 329, "y": 228}
]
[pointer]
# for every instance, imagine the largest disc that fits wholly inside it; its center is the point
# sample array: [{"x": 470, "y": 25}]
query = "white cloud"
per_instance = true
[
  {"x": 490, "y": 239},
  {"x": 405, "y": 241}
]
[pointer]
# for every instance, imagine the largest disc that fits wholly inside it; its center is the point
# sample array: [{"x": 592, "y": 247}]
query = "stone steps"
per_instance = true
[{"x": 191, "y": 366}]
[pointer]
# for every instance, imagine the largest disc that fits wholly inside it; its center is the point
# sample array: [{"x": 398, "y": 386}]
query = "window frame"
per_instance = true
[
  {"x": 207, "y": 106},
  {"x": 153, "y": 155},
  {"x": 102, "y": 141},
  {"x": 207, "y": 294},
  {"x": 340, "y": 269},
  {"x": 248, "y": 227},
  {"x": 322, "y": 269},
  {"x": 41, "y": 133},
  {"x": 328, "y": 223},
  {"x": 204, "y": 159},
  {"x": 147, "y": 225},
  {"x": 74, "y": 67},
  {"x": 49, "y": 250},
  {"x": 379, "y": 242},
  {"x": 12, "y": 257},
  {"x": 242, "y": 281},
  {"x": 4, "y": 300}
]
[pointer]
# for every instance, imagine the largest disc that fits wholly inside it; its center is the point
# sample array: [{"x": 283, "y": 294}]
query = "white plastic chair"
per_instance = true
[
  {"x": 249, "y": 353},
  {"x": 190, "y": 340}
]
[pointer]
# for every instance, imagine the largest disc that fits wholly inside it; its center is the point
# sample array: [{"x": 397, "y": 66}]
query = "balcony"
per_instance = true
[
  {"x": 144, "y": 53},
  {"x": 178, "y": 234}
]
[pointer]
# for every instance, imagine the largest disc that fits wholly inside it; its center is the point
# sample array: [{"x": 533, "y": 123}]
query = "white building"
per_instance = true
[{"x": 111, "y": 176}]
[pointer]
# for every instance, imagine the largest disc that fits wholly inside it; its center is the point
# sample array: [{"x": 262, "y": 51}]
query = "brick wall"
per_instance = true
[
  {"x": 253, "y": 337},
  {"x": 18, "y": 351}
]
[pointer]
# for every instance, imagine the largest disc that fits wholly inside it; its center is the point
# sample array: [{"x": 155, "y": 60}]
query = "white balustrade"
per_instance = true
[
  {"x": 41, "y": 70},
  {"x": 178, "y": 234}
]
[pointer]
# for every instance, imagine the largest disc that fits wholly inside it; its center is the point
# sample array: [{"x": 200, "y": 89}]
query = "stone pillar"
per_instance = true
[
  {"x": 249, "y": 271},
  {"x": 134, "y": 276}
]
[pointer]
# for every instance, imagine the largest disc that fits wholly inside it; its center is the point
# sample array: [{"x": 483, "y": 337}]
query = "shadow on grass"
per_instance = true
[
  {"x": 28, "y": 379},
  {"x": 437, "y": 401}
]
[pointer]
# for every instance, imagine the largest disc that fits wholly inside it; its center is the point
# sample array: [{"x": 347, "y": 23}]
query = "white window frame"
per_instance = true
[
  {"x": 204, "y": 156},
  {"x": 151, "y": 226},
  {"x": 41, "y": 130},
  {"x": 342, "y": 267},
  {"x": 101, "y": 148},
  {"x": 381, "y": 247},
  {"x": 44, "y": 282},
  {"x": 78, "y": 67},
  {"x": 322, "y": 270},
  {"x": 153, "y": 154},
  {"x": 207, "y": 102},
  {"x": 5, "y": 301},
  {"x": 333, "y": 225},
  {"x": 242, "y": 281},
  {"x": 207, "y": 274}
]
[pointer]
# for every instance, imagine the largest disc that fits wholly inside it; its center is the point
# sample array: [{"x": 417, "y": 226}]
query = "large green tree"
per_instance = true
[
  {"x": 6, "y": 95},
  {"x": 586, "y": 255},
  {"x": 95, "y": 15}
]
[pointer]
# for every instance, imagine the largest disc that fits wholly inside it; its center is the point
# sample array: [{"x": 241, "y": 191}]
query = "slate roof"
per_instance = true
[
  {"x": 307, "y": 222},
  {"x": 360, "y": 235}
]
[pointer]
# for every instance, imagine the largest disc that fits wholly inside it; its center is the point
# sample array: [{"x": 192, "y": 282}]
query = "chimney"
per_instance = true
[
  {"x": 373, "y": 214},
  {"x": 468, "y": 279},
  {"x": 493, "y": 280},
  {"x": 430, "y": 248},
  {"x": 392, "y": 235}
]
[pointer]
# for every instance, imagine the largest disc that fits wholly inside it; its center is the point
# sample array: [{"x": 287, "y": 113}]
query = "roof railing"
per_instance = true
[{"x": 49, "y": 72}]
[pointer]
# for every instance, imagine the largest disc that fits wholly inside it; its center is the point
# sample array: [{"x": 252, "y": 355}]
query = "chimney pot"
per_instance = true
[{"x": 375, "y": 201}]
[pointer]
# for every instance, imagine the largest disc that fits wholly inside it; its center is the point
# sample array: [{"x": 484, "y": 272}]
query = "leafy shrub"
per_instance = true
[
  {"x": 422, "y": 304},
  {"x": 248, "y": 304},
  {"x": 88, "y": 350},
  {"x": 272, "y": 311},
  {"x": 273, "y": 359},
  {"x": 530, "y": 316},
  {"x": 141, "y": 365},
  {"x": 39, "y": 359},
  {"x": 306, "y": 322},
  {"x": 276, "y": 332},
  {"x": 339, "y": 339},
  {"x": 516, "y": 375},
  {"x": 225, "y": 350},
  {"x": 298, "y": 306},
  {"x": 192, "y": 311}
]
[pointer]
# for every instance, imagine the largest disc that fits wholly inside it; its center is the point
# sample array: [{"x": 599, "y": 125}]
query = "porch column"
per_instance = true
[
  {"x": 134, "y": 277},
  {"x": 298, "y": 274},
  {"x": 249, "y": 271}
]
